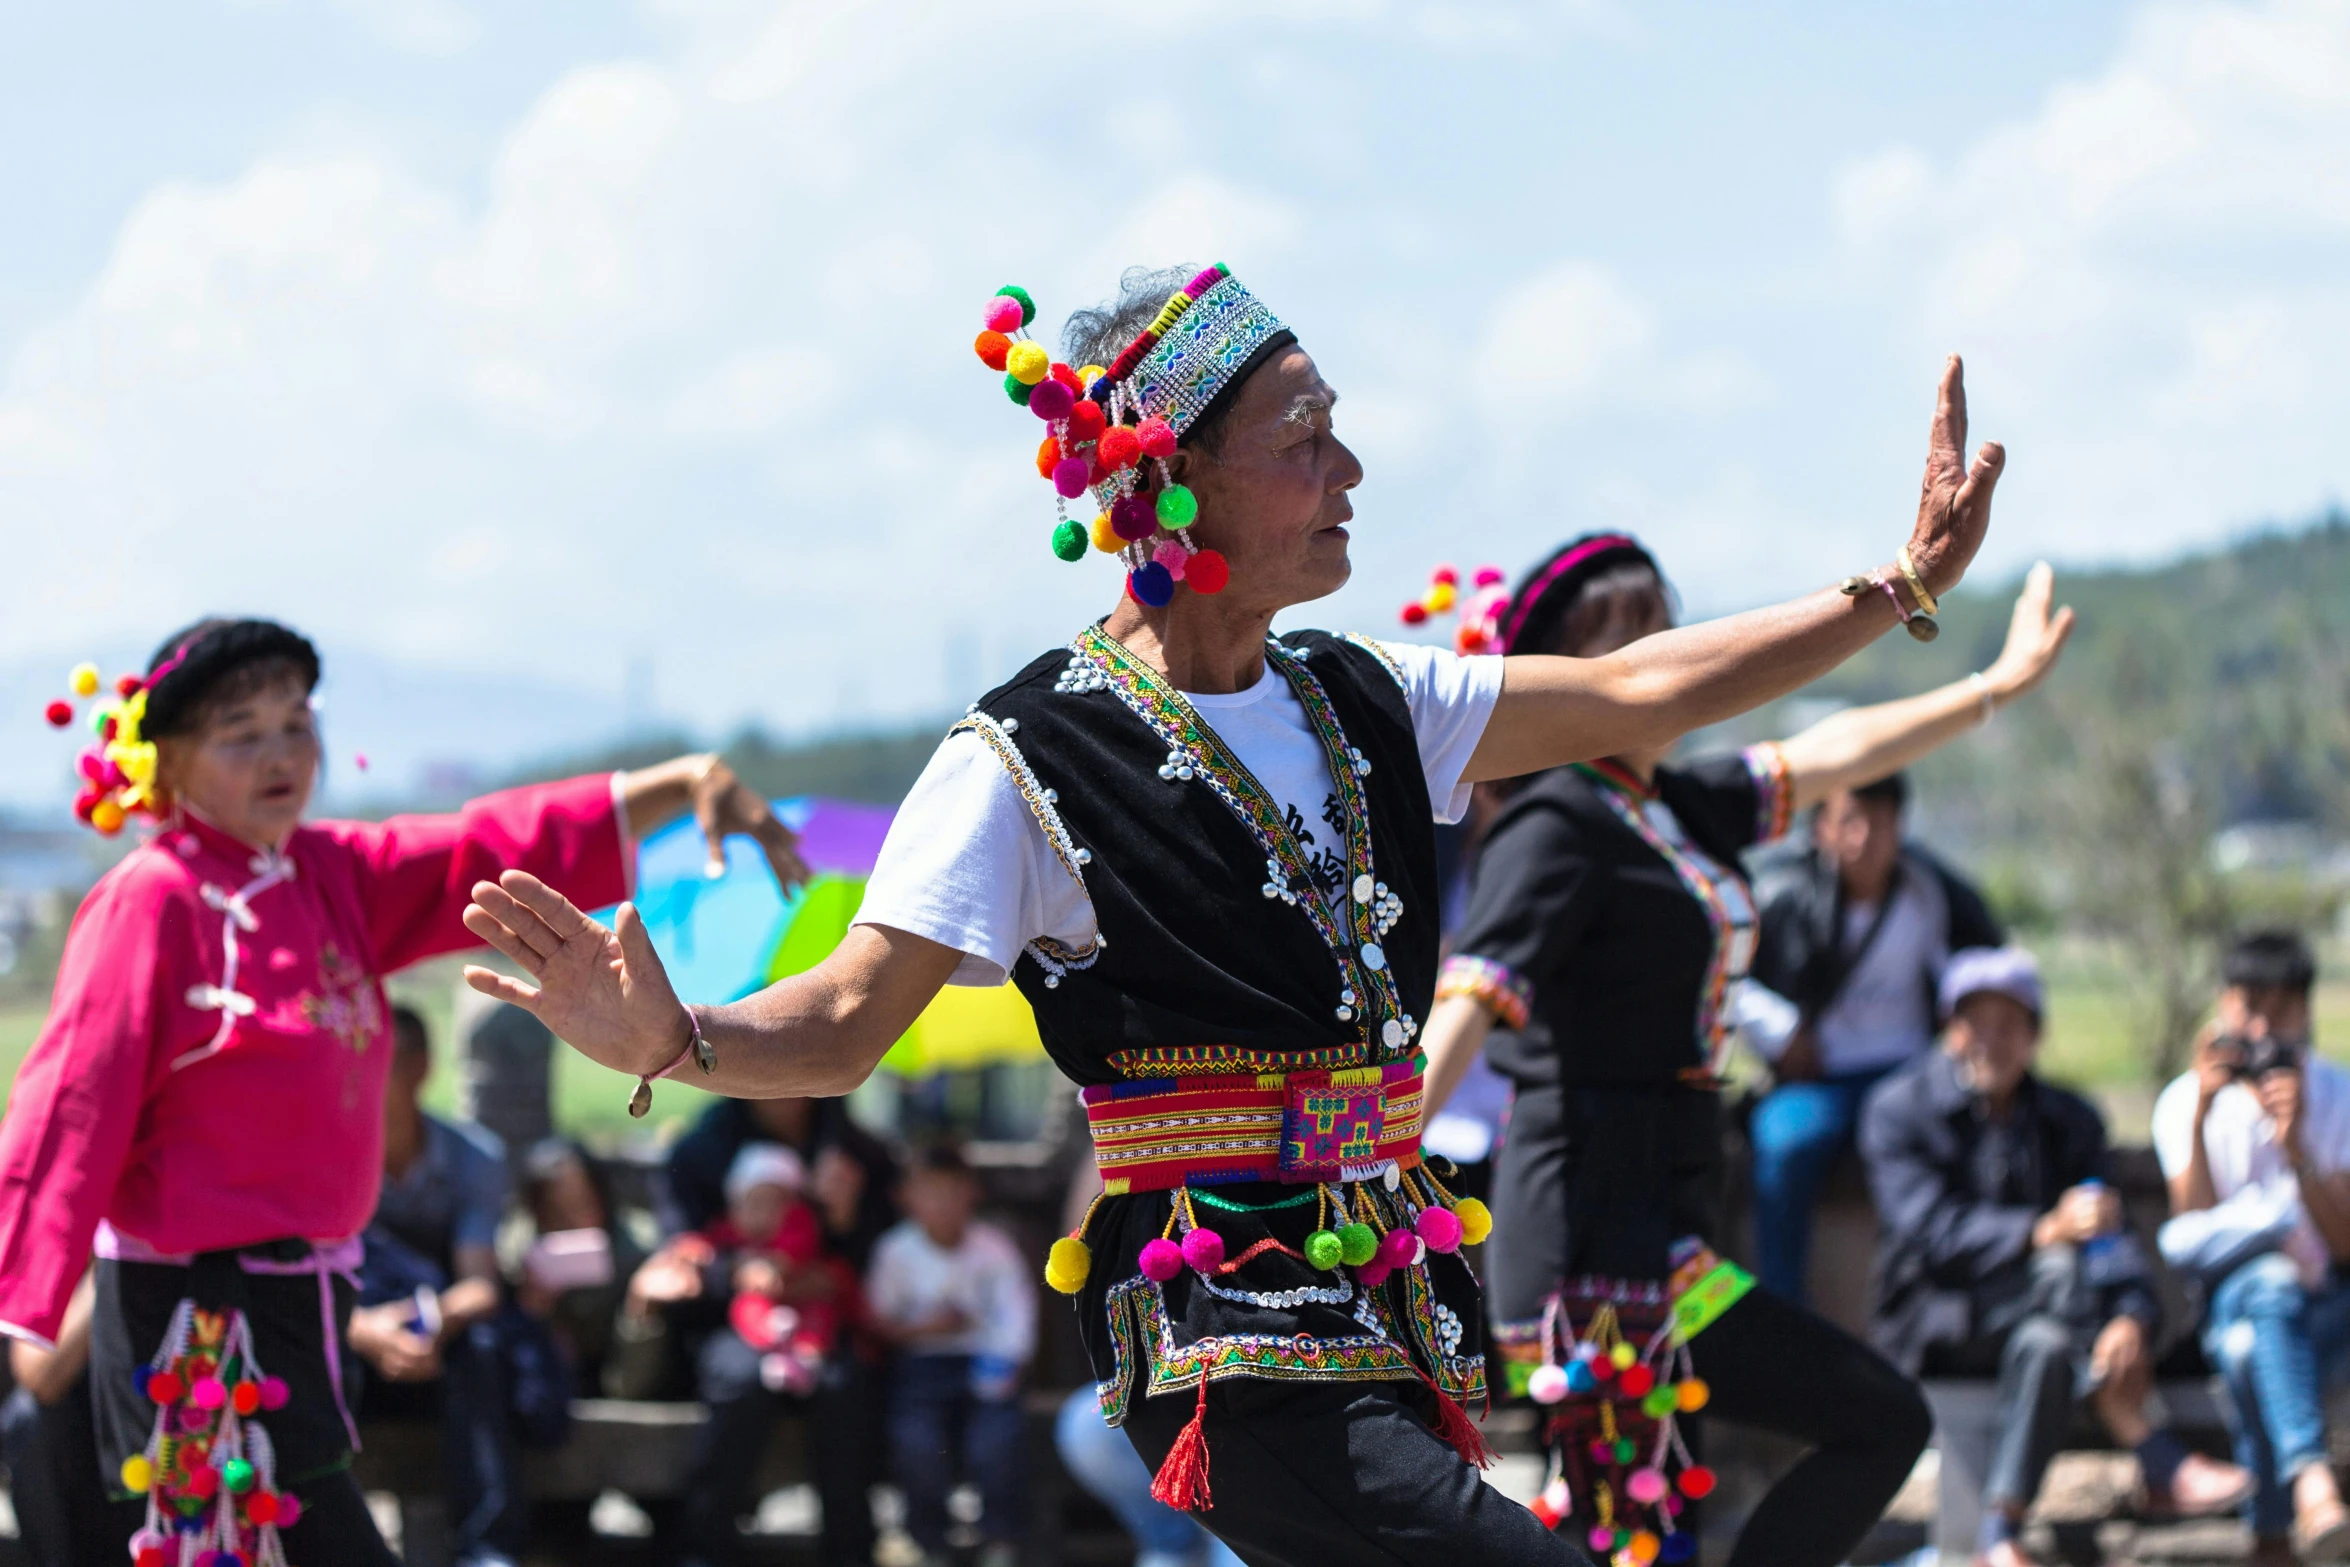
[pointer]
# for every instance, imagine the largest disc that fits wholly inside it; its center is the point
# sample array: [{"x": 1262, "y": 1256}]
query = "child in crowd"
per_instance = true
[{"x": 955, "y": 1297}]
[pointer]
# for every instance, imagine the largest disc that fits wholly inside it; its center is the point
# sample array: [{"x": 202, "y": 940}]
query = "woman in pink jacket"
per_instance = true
[{"x": 205, "y": 1105}]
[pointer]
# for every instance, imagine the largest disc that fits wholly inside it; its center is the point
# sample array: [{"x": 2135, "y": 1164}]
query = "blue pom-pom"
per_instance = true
[
  {"x": 1579, "y": 1377},
  {"x": 1153, "y": 585},
  {"x": 1677, "y": 1547}
]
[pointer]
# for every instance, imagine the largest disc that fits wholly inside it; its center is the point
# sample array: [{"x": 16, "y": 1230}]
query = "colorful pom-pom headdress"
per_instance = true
[
  {"x": 118, "y": 770},
  {"x": 1104, "y": 424},
  {"x": 1478, "y": 612}
]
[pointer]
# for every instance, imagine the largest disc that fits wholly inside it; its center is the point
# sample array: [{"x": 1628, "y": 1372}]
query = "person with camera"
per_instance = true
[{"x": 2255, "y": 1141}]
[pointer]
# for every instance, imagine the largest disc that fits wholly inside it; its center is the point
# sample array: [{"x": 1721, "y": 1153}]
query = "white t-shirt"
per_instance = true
[
  {"x": 967, "y": 864},
  {"x": 985, "y": 1278},
  {"x": 2250, "y": 1174}
]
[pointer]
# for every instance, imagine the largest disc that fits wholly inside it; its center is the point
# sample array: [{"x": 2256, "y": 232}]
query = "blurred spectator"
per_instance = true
[
  {"x": 956, "y": 1297},
  {"x": 1114, "y": 1474},
  {"x": 1854, "y": 933},
  {"x": 432, "y": 1324},
  {"x": 2255, "y": 1140},
  {"x": 763, "y": 1311},
  {"x": 2003, "y": 1254},
  {"x": 52, "y": 1447},
  {"x": 575, "y": 1275},
  {"x": 852, "y": 1178}
]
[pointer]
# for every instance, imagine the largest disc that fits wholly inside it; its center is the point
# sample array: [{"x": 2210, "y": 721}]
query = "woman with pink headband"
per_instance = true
[
  {"x": 205, "y": 1104},
  {"x": 1607, "y": 924}
]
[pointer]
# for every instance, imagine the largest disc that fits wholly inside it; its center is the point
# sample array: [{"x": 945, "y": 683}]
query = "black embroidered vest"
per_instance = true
[{"x": 1217, "y": 946}]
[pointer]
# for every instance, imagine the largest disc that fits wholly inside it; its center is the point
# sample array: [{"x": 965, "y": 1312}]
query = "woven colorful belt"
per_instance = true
[{"x": 1340, "y": 1125}]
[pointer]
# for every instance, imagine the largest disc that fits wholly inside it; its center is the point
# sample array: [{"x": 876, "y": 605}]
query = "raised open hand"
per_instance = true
[
  {"x": 1954, "y": 503},
  {"x": 602, "y": 989},
  {"x": 724, "y": 804},
  {"x": 2034, "y": 637}
]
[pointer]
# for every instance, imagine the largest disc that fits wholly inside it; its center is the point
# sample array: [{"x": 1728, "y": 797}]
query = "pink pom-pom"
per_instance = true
[
  {"x": 1645, "y": 1485},
  {"x": 1069, "y": 476},
  {"x": 1003, "y": 314},
  {"x": 1602, "y": 1540},
  {"x": 273, "y": 1392},
  {"x": 1399, "y": 1248},
  {"x": 1547, "y": 1384},
  {"x": 1157, "y": 437},
  {"x": 1051, "y": 400},
  {"x": 1132, "y": 517},
  {"x": 1489, "y": 576},
  {"x": 1204, "y": 1250},
  {"x": 1439, "y": 1228},
  {"x": 1445, "y": 574},
  {"x": 289, "y": 1510},
  {"x": 1162, "y": 1259},
  {"x": 1173, "y": 556},
  {"x": 208, "y": 1393},
  {"x": 1374, "y": 1273}
]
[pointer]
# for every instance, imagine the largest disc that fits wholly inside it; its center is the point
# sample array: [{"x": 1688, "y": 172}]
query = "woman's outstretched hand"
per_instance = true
[
  {"x": 2034, "y": 638},
  {"x": 724, "y": 804},
  {"x": 1954, "y": 503},
  {"x": 601, "y": 989}
]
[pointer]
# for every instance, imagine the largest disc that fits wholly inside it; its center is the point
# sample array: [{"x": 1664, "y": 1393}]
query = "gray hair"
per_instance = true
[{"x": 1097, "y": 336}]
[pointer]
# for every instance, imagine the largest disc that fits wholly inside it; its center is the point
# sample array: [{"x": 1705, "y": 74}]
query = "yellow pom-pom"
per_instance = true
[
  {"x": 1068, "y": 1264},
  {"x": 1691, "y": 1395},
  {"x": 1622, "y": 1356},
  {"x": 106, "y": 816},
  {"x": 1028, "y": 363},
  {"x": 84, "y": 679},
  {"x": 1441, "y": 597},
  {"x": 1476, "y": 1220},
  {"x": 137, "y": 1474},
  {"x": 1105, "y": 537},
  {"x": 1088, "y": 374},
  {"x": 136, "y": 761}
]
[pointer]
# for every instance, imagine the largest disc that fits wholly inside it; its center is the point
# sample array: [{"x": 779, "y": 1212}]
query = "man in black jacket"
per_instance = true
[
  {"x": 2002, "y": 1251},
  {"x": 1854, "y": 933}
]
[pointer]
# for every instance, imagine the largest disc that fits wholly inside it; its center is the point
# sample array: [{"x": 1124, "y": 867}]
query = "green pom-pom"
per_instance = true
[
  {"x": 1358, "y": 1244},
  {"x": 1070, "y": 541},
  {"x": 237, "y": 1475},
  {"x": 1178, "y": 507},
  {"x": 1658, "y": 1403},
  {"x": 1016, "y": 389},
  {"x": 1027, "y": 305},
  {"x": 1625, "y": 1451},
  {"x": 1324, "y": 1250}
]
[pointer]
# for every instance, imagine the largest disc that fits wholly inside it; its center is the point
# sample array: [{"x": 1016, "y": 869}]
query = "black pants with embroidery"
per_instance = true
[{"x": 1307, "y": 1474}]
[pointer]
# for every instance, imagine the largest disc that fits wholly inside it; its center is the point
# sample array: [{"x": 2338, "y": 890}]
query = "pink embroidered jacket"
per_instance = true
[{"x": 212, "y": 1072}]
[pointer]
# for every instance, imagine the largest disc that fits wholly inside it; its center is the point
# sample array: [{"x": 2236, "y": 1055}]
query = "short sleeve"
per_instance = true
[
  {"x": 2174, "y": 1126},
  {"x": 1735, "y": 800},
  {"x": 967, "y": 865},
  {"x": 1451, "y": 697},
  {"x": 1536, "y": 890}
]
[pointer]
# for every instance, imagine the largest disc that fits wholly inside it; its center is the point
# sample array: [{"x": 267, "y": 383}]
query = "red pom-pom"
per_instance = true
[
  {"x": 1415, "y": 613},
  {"x": 1208, "y": 572},
  {"x": 1636, "y": 1381},
  {"x": 992, "y": 348},
  {"x": 59, "y": 714},
  {"x": 1696, "y": 1482},
  {"x": 1067, "y": 377},
  {"x": 1157, "y": 436},
  {"x": 86, "y": 802},
  {"x": 1445, "y": 574},
  {"x": 245, "y": 1397},
  {"x": 1048, "y": 456},
  {"x": 165, "y": 1387},
  {"x": 129, "y": 686},
  {"x": 261, "y": 1507},
  {"x": 1119, "y": 447},
  {"x": 106, "y": 729},
  {"x": 203, "y": 1482},
  {"x": 1085, "y": 420},
  {"x": 149, "y": 1556}
]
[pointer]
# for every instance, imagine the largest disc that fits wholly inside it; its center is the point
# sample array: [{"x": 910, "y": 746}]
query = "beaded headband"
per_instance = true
[
  {"x": 118, "y": 771},
  {"x": 1105, "y": 424}
]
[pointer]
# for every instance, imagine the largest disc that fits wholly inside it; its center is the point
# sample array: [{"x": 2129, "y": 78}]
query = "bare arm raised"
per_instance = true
[{"x": 1556, "y": 710}]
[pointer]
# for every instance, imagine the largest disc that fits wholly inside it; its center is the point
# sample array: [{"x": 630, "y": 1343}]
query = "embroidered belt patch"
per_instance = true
[{"x": 1332, "y": 1124}]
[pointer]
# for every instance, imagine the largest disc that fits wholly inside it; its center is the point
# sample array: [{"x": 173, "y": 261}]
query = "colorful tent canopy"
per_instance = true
[{"x": 725, "y": 938}]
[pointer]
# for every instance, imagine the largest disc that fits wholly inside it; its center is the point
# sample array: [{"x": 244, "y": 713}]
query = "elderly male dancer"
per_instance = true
[{"x": 1206, "y": 856}]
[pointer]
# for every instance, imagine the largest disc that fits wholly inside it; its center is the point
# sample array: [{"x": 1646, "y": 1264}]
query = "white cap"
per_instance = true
[{"x": 764, "y": 1164}]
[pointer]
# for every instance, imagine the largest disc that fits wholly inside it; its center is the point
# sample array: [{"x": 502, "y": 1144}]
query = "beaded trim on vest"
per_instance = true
[{"x": 1054, "y": 957}]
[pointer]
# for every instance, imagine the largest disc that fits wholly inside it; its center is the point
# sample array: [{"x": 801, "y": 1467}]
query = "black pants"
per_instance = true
[
  {"x": 52, "y": 1453},
  {"x": 743, "y": 1412},
  {"x": 2036, "y": 1322},
  {"x": 480, "y": 1465},
  {"x": 1313, "y": 1474},
  {"x": 1776, "y": 1367}
]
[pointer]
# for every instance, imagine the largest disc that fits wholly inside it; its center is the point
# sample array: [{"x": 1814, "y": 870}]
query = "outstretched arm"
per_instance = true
[
  {"x": 1555, "y": 710},
  {"x": 1863, "y": 744},
  {"x": 602, "y": 990}
]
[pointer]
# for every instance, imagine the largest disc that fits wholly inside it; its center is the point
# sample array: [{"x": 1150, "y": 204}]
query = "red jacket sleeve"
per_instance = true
[
  {"x": 416, "y": 873},
  {"x": 76, "y": 1102}
]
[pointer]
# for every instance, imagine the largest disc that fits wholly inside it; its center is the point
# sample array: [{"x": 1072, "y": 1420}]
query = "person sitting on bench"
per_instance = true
[{"x": 2003, "y": 1252}]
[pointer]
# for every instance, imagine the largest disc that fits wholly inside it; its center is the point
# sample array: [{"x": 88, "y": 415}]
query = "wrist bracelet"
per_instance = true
[
  {"x": 641, "y": 1100},
  {"x": 1983, "y": 690},
  {"x": 1921, "y": 627},
  {"x": 1916, "y": 583}
]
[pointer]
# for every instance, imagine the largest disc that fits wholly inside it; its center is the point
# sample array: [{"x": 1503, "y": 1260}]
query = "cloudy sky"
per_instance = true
[{"x": 524, "y": 345}]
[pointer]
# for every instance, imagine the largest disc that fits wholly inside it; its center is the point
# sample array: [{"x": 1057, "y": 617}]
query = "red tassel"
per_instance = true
[
  {"x": 1455, "y": 1426},
  {"x": 1182, "y": 1481}
]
